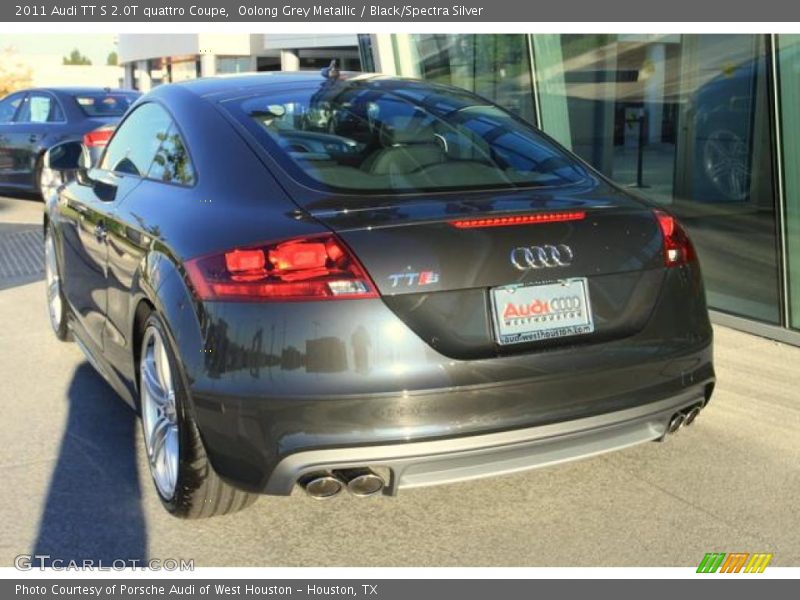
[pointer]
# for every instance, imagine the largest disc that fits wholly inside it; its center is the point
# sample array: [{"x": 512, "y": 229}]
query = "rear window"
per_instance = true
[
  {"x": 104, "y": 104},
  {"x": 384, "y": 136}
]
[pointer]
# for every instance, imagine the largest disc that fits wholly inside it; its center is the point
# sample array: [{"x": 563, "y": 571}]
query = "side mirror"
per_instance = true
[{"x": 66, "y": 156}]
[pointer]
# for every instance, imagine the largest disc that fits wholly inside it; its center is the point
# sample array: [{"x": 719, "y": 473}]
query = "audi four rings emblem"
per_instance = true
[{"x": 538, "y": 257}]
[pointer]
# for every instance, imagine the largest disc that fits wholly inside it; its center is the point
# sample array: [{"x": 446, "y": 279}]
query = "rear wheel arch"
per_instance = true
[
  {"x": 196, "y": 490},
  {"x": 144, "y": 301},
  {"x": 158, "y": 288},
  {"x": 200, "y": 492}
]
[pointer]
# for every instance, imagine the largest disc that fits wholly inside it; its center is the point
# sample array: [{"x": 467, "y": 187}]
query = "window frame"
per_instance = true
[
  {"x": 146, "y": 177},
  {"x": 13, "y": 120},
  {"x": 174, "y": 125},
  {"x": 53, "y": 99}
]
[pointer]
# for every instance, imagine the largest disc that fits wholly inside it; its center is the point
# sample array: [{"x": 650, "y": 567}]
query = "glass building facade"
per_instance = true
[{"x": 707, "y": 125}]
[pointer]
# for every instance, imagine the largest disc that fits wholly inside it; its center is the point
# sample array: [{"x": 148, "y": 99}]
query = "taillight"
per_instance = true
[
  {"x": 97, "y": 138},
  {"x": 547, "y": 217},
  {"x": 312, "y": 268},
  {"x": 678, "y": 249}
]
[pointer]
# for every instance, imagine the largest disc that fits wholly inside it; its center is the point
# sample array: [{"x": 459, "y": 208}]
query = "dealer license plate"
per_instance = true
[{"x": 528, "y": 313}]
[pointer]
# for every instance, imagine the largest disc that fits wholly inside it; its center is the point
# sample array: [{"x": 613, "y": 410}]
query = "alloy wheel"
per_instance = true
[
  {"x": 159, "y": 413},
  {"x": 49, "y": 181},
  {"x": 54, "y": 302}
]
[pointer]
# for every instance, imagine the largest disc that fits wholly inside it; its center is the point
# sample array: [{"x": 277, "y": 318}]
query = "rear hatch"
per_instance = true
[{"x": 569, "y": 270}]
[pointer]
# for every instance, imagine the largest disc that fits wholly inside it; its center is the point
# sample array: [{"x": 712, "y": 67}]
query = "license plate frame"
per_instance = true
[{"x": 541, "y": 311}]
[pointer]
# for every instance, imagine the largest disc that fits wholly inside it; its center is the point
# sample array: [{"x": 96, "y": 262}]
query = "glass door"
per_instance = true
[
  {"x": 788, "y": 50},
  {"x": 683, "y": 120}
]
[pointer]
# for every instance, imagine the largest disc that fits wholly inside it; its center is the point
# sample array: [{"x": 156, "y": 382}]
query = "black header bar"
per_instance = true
[{"x": 362, "y": 11}]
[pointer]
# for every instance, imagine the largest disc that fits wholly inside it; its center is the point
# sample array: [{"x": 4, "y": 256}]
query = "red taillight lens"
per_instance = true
[
  {"x": 678, "y": 249},
  {"x": 313, "y": 268},
  {"x": 299, "y": 255},
  {"x": 97, "y": 138},
  {"x": 246, "y": 265},
  {"x": 548, "y": 217}
]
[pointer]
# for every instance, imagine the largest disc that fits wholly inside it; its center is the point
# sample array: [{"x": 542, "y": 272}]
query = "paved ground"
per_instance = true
[{"x": 74, "y": 482}]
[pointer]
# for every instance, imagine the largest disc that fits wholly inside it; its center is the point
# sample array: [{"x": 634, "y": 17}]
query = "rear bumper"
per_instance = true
[
  {"x": 419, "y": 464},
  {"x": 265, "y": 445},
  {"x": 293, "y": 389}
]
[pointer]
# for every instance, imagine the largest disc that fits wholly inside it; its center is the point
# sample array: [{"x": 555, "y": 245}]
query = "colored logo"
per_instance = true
[
  {"x": 561, "y": 307},
  {"x": 736, "y": 562},
  {"x": 411, "y": 279}
]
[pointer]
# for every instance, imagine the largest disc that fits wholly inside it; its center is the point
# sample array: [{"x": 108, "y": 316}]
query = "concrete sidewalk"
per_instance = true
[
  {"x": 24, "y": 209},
  {"x": 75, "y": 482}
]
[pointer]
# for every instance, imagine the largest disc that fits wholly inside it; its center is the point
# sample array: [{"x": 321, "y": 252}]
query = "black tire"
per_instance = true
[
  {"x": 199, "y": 491},
  {"x": 58, "y": 316}
]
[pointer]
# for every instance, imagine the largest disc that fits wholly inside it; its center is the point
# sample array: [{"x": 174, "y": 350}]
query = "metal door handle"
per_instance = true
[{"x": 100, "y": 232}]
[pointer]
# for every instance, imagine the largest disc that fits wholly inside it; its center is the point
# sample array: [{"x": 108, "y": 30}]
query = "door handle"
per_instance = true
[
  {"x": 100, "y": 232},
  {"x": 32, "y": 138}
]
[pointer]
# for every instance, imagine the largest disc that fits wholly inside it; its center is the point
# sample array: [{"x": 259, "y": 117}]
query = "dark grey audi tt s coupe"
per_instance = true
[{"x": 354, "y": 282}]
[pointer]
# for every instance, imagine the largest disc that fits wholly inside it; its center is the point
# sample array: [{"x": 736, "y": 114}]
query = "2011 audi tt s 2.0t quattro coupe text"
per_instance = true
[{"x": 357, "y": 282}]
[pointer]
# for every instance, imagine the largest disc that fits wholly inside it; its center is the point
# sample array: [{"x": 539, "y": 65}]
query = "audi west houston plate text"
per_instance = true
[{"x": 343, "y": 281}]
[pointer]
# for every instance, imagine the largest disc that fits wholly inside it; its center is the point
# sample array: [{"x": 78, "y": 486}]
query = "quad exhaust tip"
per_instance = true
[
  {"x": 691, "y": 415},
  {"x": 361, "y": 482},
  {"x": 683, "y": 418},
  {"x": 321, "y": 486},
  {"x": 676, "y": 422}
]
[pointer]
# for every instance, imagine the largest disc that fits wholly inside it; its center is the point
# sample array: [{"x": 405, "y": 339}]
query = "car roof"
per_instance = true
[
  {"x": 231, "y": 85},
  {"x": 80, "y": 90}
]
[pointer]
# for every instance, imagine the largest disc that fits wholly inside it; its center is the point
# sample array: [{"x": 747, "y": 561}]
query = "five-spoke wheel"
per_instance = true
[{"x": 159, "y": 413}]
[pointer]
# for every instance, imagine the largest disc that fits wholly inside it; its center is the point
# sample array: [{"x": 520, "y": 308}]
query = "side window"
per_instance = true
[
  {"x": 9, "y": 106},
  {"x": 171, "y": 163},
  {"x": 136, "y": 142},
  {"x": 39, "y": 108},
  {"x": 57, "y": 113}
]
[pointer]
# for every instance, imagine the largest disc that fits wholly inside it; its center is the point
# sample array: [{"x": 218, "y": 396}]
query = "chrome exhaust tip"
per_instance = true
[
  {"x": 321, "y": 486},
  {"x": 691, "y": 415},
  {"x": 676, "y": 422},
  {"x": 362, "y": 482}
]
